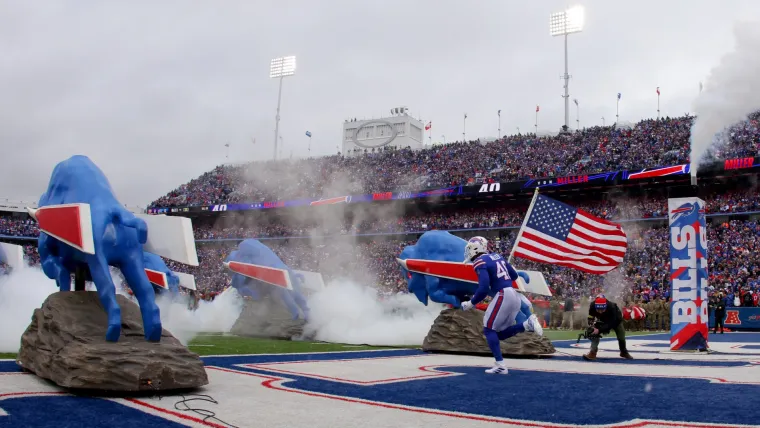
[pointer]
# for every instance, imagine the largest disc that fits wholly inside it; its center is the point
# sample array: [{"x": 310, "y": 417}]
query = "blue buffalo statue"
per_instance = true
[
  {"x": 116, "y": 239},
  {"x": 252, "y": 251},
  {"x": 440, "y": 245},
  {"x": 154, "y": 262}
]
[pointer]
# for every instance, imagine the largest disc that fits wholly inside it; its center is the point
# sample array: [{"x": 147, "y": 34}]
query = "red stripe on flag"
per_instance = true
[
  {"x": 572, "y": 265},
  {"x": 612, "y": 253},
  {"x": 600, "y": 229},
  {"x": 592, "y": 244},
  {"x": 591, "y": 217},
  {"x": 583, "y": 235},
  {"x": 565, "y": 248},
  {"x": 559, "y": 256}
]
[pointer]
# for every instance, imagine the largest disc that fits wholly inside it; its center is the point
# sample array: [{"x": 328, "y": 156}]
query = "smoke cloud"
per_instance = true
[
  {"x": 347, "y": 312},
  {"x": 20, "y": 294},
  {"x": 27, "y": 288},
  {"x": 348, "y": 309},
  {"x": 732, "y": 92},
  {"x": 216, "y": 316}
]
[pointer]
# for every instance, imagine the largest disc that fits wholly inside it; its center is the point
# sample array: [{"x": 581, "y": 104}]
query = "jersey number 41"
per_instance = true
[{"x": 501, "y": 270}]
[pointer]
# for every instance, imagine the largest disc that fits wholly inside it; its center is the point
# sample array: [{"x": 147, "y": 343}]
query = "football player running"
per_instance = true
[{"x": 495, "y": 277}]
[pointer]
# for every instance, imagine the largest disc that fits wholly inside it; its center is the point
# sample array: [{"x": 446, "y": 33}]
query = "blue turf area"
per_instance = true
[
  {"x": 578, "y": 399},
  {"x": 737, "y": 337},
  {"x": 76, "y": 412},
  {"x": 9, "y": 366},
  {"x": 577, "y": 395}
]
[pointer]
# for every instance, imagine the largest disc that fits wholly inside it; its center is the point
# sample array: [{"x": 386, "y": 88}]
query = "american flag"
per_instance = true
[{"x": 558, "y": 234}]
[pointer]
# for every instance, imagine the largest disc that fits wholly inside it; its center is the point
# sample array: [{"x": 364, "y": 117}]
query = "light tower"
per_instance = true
[
  {"x": 279, "y": 68},
  {"x": 563, "y": 24}
]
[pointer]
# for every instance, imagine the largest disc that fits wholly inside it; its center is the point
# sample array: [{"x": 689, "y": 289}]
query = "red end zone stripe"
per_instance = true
[
  {"x": 173, "y": 413},
  {"x": 62, "y": 222},
  {"x": 269, "y": 275}
]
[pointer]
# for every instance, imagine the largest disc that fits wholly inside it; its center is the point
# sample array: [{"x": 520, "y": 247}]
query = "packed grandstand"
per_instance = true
[{"x": 361, "y": 243}]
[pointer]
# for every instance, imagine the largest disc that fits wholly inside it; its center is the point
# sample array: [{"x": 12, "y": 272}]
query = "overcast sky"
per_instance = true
[{"x": 152, "y": 90}]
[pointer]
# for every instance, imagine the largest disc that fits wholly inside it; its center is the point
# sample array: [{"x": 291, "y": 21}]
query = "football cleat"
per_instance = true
[{"x": 497, "y": 369}]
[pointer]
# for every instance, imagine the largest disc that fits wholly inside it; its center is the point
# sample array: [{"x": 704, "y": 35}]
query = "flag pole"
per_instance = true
[
  {"x": 525, "y": 221},
  {"x": 658, "y": 103}
]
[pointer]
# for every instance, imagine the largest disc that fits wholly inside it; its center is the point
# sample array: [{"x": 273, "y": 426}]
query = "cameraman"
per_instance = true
[{"x": 605, "y": 316}]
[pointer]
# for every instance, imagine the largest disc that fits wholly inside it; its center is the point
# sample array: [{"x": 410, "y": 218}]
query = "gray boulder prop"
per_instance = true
[
  {"x": 267, "y": 318},
  {"x": 65, "y": 343},
  {"x": 458, "y": 331}
]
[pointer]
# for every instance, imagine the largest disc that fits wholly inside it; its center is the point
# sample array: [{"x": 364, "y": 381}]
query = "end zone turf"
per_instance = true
[{"x": 407, "y": 387}]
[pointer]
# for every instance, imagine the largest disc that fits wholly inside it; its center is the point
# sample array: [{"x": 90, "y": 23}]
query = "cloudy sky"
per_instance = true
[{"x": 152, "y": 90}]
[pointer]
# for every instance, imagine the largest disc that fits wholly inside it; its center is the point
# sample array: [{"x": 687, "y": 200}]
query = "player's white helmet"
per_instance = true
[{"x": 475, "y": 246}]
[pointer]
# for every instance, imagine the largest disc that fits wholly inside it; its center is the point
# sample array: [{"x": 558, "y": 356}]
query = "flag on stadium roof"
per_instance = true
[
  {"x": 559, "y": 234},
  {"x": 308, "y": 133},
  {"x": 619, "y": 95}
]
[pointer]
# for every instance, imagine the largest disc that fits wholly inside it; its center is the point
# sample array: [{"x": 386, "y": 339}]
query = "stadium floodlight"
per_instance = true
[
  {"x": 567, "y": 22},
  {"x": 561, "y": 24},
  {"x": 280, "y": 68}
]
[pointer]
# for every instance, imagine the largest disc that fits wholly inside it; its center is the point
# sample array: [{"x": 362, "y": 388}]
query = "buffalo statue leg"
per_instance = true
[
  {"x": 134, "y": 273},
  {"x": 101, "y": 276},
  {"x": 437, "y": 294},
  {"x": 287, "y": 298},
  {"x": 301, "y": 302},
  {"x": 63, "y": 279},
  {"x": 52, "y": 264},
  {"x": 79, "y": 278}
]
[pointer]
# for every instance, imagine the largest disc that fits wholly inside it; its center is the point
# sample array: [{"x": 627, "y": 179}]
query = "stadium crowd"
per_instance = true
[
  {"x": 264, "y": 225},
  {"x": 734, "y": 254},
  {"x": 643, "y": 276},
  {"x": 649, "y": 143}
]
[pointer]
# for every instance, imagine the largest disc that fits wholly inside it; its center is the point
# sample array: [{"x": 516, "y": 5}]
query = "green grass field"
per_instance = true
[{"x": 218, "y": 344}]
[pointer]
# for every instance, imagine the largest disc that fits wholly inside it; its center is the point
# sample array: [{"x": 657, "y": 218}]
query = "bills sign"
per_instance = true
[{"x": 688, "y": 274}]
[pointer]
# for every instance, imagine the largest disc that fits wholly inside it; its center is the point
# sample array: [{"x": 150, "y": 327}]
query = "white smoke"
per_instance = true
[
  {"x": 217, "y": 316},
  {"x": 346, "y": 312},
  {"x": 20, "y": 294},
  {"x": 732, "y": 92},
  {"x": 27, "y": 288}
]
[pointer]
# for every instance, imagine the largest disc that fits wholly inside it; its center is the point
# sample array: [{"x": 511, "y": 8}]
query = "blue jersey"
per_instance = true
[{"x": 494, "y": 275}]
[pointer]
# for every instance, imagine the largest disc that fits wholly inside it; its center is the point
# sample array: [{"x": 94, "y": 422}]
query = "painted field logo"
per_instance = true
[
  {"x": 732, "y": 318},
  {"x": 688, "y": 274}
]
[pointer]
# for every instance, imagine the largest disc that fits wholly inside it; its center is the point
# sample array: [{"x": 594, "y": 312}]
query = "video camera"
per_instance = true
[{"x": 589, "y": 333}]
